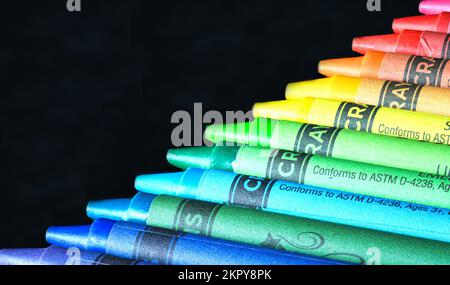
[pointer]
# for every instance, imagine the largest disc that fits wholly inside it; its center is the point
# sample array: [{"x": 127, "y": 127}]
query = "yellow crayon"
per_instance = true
[
  {"x": 359, "y": 117},
  {"x": 375, "y": 92}
]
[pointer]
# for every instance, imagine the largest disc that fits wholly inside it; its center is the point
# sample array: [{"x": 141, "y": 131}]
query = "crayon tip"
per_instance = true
[
  {"x": 159, "y": 184},
  {"x": 419, "y": 23},
  {"x": 183, "y": 158},
  {"x": 432, "y": 7},
  {"x": 350, "y": 66},
  {"x": 385, "y": 43},
  {"x": 218, "y": 157},
  {"x": 318, "y": 88},
  {"x": 113, "y": 209},
  {"x": 222, "y": 133},
  {"x": 424, "y": 6},
  {"x": 133, "y": 210},
  {"x": 290, "y": 110},
  {"x": 72, "y": 236},
  {"x": 215, "y": 133},
  {"x": 23, "y": 256}
]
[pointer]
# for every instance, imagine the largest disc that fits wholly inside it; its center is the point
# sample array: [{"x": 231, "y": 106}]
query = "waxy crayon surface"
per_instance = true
[
  {"x": 337, "y": 143},
  {"x": 326, "y": 172},
  {"x": 360, "y": 117},
  {"x": 390, "y": 94},
  {"x": 302, "y": 201},
  {"x": 420, "y": 43},
  {"x": 348, "y": 244},
  {"x": 431, "y": 7},
  {"x": 433, "y": 23},
  {"x": 393, "y": 67},
  {"x": 60, "y": 256},
  {"x": 167, "y": 247}
]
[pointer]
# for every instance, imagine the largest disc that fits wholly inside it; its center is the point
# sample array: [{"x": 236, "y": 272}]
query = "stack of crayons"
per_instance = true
[{"x": 350, "y": 169}]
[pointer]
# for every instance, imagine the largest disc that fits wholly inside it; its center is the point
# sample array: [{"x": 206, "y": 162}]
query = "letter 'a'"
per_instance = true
[
  {"x": 374, "y": 5},
  {"x": 73, "y": 5}
]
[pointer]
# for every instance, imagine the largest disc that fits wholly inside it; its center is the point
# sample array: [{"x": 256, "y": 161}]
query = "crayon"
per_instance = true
[
  {"x": 432, "y": 7},
  {"x": 360, "y": 117},
  {"x": 347, "y": 244},
  {"x": 374, "y": 92},
  {"x": 421, "y": 43},
  {"x": 337, "y": 143},
  {"x": 298, "y": 200},
  {"x": 391, "y": 66},
  {"x": 166, "y": 247},
  {"x": 433, "y": 23},
  {"x": 60, "y": 256},
  {"x": 319, "y": 171}
]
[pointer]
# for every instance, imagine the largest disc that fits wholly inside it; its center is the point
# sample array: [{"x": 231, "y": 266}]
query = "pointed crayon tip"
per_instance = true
[
  {"x": 22, "y": 256},
  {"x": 237, "y": 133},
  {"x": 133, "y": 210},
  {"x": 385, "y": 43},
  {"x": 220, "y": 133},
  {"x": 318, "y": 88},
  {"x": 425, "y": 7},
  {"x": 159, "y": 184},
  {"x": 113, "y": 209},
  {"x": 432, "y": 7},
  {"x": 184, "y": 158},
  {"x": 419, "y": 23},
  {"x": 288, "y": 110},
  {"x": 350, "y": 66},
  {"x": 214, "y": 133},
  {"x": 218, "y": 157},
  {"x": 71, "y": 236}
]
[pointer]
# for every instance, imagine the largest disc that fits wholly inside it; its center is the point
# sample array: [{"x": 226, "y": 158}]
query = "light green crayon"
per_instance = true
[
  {"x": 325, "y": 172},
  {"x": 337, "y": 143}
]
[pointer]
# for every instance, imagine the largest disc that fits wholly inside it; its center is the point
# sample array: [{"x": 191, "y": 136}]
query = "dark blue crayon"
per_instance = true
[
  {"x": 54, "y": 255},
  {"x": 167, "y": 247}
]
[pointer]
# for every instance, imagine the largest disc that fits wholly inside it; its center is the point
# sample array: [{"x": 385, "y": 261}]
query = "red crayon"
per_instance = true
[
  {"x": 428, "y": 44},
  {"x": 432, "y": 23}
]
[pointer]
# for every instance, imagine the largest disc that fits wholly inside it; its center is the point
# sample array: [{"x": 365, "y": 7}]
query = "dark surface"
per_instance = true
[{"x": 87, "y": 97}]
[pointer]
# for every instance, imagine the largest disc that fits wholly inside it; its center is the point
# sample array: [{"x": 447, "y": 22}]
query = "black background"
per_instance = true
[{"x": 87, "y": 98}]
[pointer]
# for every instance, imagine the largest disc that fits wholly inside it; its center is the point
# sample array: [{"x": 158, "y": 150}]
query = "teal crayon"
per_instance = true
[{"x": 320, "y": 171}]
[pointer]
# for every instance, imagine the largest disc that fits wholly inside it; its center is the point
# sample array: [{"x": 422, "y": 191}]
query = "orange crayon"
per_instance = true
[{"x": 394, "y": 67}]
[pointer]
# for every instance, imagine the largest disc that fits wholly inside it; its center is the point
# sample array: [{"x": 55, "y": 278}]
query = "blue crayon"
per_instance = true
[
  {"x": 54, "y": 255},
  {"x": 166, "y": 247},
  {"x": 302, "y": 201}
]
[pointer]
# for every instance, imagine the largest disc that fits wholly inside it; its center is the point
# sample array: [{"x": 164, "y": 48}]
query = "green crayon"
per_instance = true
[
  {"x": 325, "y": 172},
  {"x": 337, "y": 143},
  {"x": 299, "y": 235}
]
